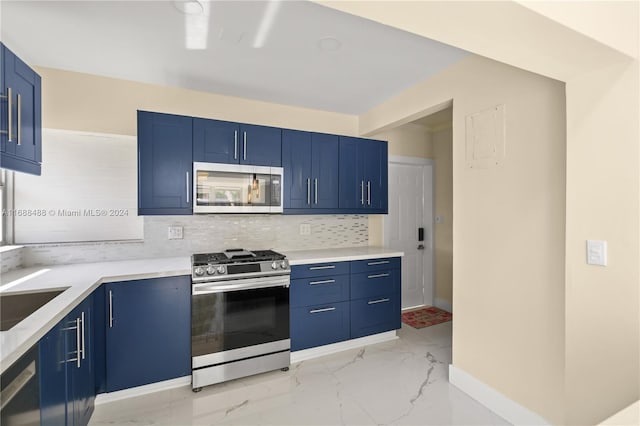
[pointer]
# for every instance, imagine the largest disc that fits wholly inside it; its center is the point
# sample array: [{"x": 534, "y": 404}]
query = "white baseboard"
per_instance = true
[
  {"x": 306, "y": 354},
  {"x": 103, "y": 398},
  {"x": 443, "y": 304},
  {"x": 506, "y": 408}
]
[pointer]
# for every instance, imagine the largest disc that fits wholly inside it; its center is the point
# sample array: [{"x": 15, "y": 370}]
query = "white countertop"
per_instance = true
[
  {"x": 304, "y": 257},
  {"x": 83, "y": 278}
]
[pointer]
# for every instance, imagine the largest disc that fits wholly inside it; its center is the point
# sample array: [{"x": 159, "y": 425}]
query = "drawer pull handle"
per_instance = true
[
  {"x": 315, "y": 268},
  {"x": 322, "y": 282},
  {"x": 380, "y": 262},
  {"x": 378, "y": 275},
  {"x": 317, "y": 311},
  {"x": 373, "y": 302}
]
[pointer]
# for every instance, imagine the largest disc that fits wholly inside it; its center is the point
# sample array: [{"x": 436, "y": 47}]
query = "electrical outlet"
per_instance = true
[
  {"x": 305, "y": 229},
  {"x": 175, "y": 233}
]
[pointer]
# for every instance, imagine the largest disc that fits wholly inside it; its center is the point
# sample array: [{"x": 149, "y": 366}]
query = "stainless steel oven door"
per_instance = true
[{"x": 233, "y": 319}]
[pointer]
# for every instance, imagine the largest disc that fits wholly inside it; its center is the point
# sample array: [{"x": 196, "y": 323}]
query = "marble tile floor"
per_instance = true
[{"x": 401, "y": 382}]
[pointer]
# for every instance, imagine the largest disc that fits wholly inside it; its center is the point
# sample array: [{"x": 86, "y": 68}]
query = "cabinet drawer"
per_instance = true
[
  {"x": 317, "y": 290},
  {"x": 319, "y": 269},
  {"x": 319, "y": 325},
  {"x": 374, "y": 283},
  {"x": 375, "y": 264},
  {"x": 375, "y": 315}
]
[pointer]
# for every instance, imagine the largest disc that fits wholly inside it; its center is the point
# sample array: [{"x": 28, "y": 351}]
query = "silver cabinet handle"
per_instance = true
[
  {"x": 317, "y": 311},
  {"x": 362, "y": 192},
  {"x": 378, "y": 275},
  {"x": 19, "y": 130},
  {"x": 315, "y": 268},
  {"x": 379, "y": 262},
  {"x": 83, "y": 336},
  {"x": 77, "y": 359},
  {"x": 322, "y": 282},
  {"x": 244, "y": 154},
  {"x": 368, "y": 192},
  {"x": 17, "y": 384},
  {"x": 308, "y": 191},
  {"x": 235, "y": 144},
  {"x": 316, "y": 189},
  {"x": 373, "y": 302},
  {"x": 9, "y": 99},
  {"x": 110, "y": 308},
  {"x": 187, "y": 181}
]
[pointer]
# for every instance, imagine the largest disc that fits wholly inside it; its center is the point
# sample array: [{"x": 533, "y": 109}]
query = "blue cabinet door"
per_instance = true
[
  {"x": 351, "y": 178},
  {"x": 260, "y": 145},
  {"x": 81, "y": 373},
  {"x": 22, "y": 149},
  {"x": 374, "y": 154},
  {"x": 148, "y": 335},
  {"x": 53, "y": 376},
  {"x": 216, "y": 141},
  {"x": 296, "y": 161},
  {"x": 324, "y": 166},
  {"x": 67, "y": 374},
  {"x": 319, "y": 325},
  {"x": 375, "y": 315},
  {"x": 363, "y": 175},
  {"x": 164, "y": 164}
]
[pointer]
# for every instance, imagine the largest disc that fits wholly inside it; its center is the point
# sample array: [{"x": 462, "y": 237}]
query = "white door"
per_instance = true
[{"x": 411, "y": 208}]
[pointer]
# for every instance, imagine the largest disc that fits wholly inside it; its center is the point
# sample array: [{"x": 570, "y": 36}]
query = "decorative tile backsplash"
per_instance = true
[
  {"x": 209, "y": 233},
  {"x": 10, "y": 259}
]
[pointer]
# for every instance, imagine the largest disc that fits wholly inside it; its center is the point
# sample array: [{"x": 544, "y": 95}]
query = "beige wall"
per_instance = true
[
  {"x": 508, "y": 229},
  {"x": 602, "y": 187},
  {"x": 75, "y": 101},
  {"x": 442, "y": 148}
]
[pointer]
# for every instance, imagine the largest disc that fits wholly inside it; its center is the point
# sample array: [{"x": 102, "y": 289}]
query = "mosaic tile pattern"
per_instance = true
[
  {"x": 11, "y": 259},
  {"x": 208, "y": 233}
]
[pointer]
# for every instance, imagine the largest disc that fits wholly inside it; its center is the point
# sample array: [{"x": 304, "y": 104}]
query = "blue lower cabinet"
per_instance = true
[
  {"x": 374, "y": 283},
  {"x": 67, "y": 376},
  {"x": 316, "y": 290},
  {"x": 148, "y": 331},
  {"x": 375, "y": 315},
  {"x": 319, "y": 325}
]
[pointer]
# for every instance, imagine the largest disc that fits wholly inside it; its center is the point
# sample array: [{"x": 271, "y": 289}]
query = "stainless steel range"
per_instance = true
[{"x": 239, "y": 315}]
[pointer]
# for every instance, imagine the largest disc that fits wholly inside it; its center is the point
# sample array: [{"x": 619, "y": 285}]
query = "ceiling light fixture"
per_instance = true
[
  {"x": 266, "y": 23},
  {"x": 196, "y": 25},
  {"x": 189, "y": 7},
  {"x": 329, "y": 44}
]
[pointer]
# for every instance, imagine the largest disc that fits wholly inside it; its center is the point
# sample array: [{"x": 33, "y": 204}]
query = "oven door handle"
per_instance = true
[{"x": 237, "y": 285}]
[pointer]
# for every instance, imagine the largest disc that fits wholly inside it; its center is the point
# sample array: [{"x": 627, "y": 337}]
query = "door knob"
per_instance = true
[{"x": 421, "y": 247}]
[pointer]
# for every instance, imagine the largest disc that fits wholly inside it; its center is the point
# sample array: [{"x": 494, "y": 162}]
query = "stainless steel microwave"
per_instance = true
[{"x": 237, "y": 188}]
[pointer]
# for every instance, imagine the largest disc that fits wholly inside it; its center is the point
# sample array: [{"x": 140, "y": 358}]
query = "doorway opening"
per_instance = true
[{"x": 421, "y": 197}]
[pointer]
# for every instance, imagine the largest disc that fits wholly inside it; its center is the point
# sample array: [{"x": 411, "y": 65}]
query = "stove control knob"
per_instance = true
[
  {"x": 221, "y": 269},
  {"x": 211, "y": 270},
  {"x": 283, "y": 264},
  {"x": 274, "y": 265},
  {"x": 199, "y": 271}
]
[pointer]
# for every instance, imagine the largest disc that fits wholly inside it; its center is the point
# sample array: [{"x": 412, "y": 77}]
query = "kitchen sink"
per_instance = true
[{"x": 14, "y": 307}]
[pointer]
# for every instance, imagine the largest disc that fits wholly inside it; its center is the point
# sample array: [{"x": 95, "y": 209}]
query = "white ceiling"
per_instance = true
[{"x": 145, "y": 41}]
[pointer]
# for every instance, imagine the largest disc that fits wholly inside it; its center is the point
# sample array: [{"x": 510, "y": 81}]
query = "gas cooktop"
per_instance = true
[{"x": 231, "y": 256}]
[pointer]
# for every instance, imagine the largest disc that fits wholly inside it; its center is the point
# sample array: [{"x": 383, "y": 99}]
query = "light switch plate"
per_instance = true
[
  {"x": 305, "y": 229},
  {"x": 175, "y": 233},
  {"x": 597, "y": 252}
]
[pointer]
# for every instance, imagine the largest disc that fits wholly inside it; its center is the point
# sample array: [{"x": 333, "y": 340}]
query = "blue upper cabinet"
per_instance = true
[
  {"x": 20, "y": 109},
  {"x": 363, "y": 175},
  {"x": 310, "y": 162},
  {"x": 260, "y": 145},
  {"x": 216, "y": 141},
  {"x": 165, "y": 164}
]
